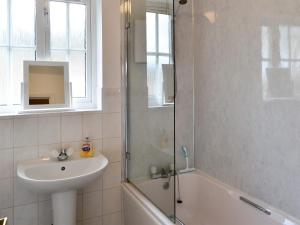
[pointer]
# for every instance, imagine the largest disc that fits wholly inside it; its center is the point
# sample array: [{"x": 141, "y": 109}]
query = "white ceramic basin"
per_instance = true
[
  {"x": 50, "y": 176},
  {"x": 61, "y": 180}
]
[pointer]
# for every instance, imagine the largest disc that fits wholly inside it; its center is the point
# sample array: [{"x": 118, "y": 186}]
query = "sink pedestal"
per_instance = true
[{"x": 64, "y": 208}]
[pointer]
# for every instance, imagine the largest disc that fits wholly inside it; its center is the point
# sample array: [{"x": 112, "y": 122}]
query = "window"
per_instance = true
[
  {"x": 17, "y": 43},
  {"x": 159, "y": 52},
  {"x": 45, "y": 30}
]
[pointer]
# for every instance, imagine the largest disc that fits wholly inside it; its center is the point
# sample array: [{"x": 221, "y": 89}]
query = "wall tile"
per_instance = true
[
  {"x": 25, "y": 131},
  {"x": 111, "y": 125},
  {"x": 6, "y": 133},
  {"x": 49, "y": 129},
  {"x": 112, "y": 219},
  {"x": 45, "y": 213},
  {"x": 92, "y": 126},
  {"x": 25, "y": 153},
  {"x": 94, "y": 186},
  {"x": 44, "y": 197},
  {"x": 23, "y": 196},
  {"x": 75, "y": 145},
  {"x": 111, "y": 200},
  {"x": 45, "y": 150},
  {"x": 9, "y": 214},
  {"x": 6, "y": 163},
  {"x": 71, "y": 128},
  {"x": 94, "y": 221},
  {"x": 79, "y": 207},
  {"x": 26, "y": 215},
  {"x": 98, "y": 145},
  {"x": 92, "y": 204},
  {"x": 6, "y": 193},
  {"x": 112, "y": 149},
  {"x": 111, "y": 100},
  {"x": 112, "y": 175}
]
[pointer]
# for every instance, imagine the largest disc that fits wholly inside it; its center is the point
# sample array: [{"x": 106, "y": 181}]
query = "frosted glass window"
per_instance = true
[
  {"x": 17, "y": 56},
  {"x": 59, "y": 55},
  {"x": 58, "y": 25},
  {"x": 77, "y": 69},
  {"x": 3, "y": 22},
  {"x": 68, "y": 41},
  {"x": 4, "y": 71},
  {"x": 17, "y": 43},
  {"x": 23, "y": 23},
  {"x": 62, "y": 36},
  {"x": 77, "y": 23}
]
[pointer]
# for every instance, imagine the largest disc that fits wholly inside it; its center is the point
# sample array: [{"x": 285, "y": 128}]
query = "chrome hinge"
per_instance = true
[
  {"x": 127, "y": 26},
  {"x": 127, "y": 155}
]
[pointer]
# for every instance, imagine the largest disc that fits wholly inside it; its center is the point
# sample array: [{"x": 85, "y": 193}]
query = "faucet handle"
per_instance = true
[
  {"x": 69, "y": 151},
  {"x": 54, "y": 153}
]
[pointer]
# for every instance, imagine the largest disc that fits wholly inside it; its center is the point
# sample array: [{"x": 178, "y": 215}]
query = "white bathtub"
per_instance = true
[{"x": 206, "y": 201}]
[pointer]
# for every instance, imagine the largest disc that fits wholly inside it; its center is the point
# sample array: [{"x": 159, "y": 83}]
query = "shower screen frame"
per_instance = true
[{"x": 127, "y": 31}]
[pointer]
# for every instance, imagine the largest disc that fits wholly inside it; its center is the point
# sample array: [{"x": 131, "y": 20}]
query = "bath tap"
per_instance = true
[
  {"x": 63, "y": 154},
  {"x": 162, "y": 174}
]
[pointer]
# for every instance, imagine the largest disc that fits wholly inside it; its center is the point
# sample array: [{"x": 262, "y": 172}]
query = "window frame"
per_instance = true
[{"x": 43, "y": 48}]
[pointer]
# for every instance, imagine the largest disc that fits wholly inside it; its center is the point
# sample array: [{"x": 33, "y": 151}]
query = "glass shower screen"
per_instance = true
[{"x": 150, "y": 101}]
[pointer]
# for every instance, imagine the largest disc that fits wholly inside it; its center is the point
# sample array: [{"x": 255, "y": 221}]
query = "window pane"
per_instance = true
[
  {"x": 77, "y": 73},
  {"x": 58, "y": 25},
  {"x": 59, "y": 55},
  {"x": 3, "y": 23},
  {"x": 77, "y": 21},
  {"x": 151, "y": 32},
  {"x": 23, "y": 23},
  {"x": 70, "y": 37},
  {"x": 4, "y": 73},
  {"x": 77, "y": 67},
  {"x": 164, "y": 33},
  {"x": 18, "y": 55}
]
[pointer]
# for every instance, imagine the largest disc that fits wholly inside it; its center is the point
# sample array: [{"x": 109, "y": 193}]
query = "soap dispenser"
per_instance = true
[{"x": 87, "y": 149}]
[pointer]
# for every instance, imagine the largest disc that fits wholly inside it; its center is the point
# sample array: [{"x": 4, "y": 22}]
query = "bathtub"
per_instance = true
[{"x": 206, "y": 201}]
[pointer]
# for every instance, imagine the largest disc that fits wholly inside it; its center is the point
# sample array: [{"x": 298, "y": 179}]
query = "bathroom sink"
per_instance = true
[
  {"x": 61, "y": 180},
  {"x": 50, "y": 175}
]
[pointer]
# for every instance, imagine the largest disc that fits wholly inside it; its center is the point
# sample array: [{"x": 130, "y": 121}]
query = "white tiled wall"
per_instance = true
[{"x": 30, "y": 137}]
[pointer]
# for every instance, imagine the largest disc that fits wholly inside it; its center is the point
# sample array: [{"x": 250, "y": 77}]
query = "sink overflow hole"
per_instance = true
[{"x": 63, "y": 168}]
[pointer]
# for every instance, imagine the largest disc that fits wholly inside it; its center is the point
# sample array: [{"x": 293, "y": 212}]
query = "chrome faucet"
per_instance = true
[{"x": 63, "y": 155}]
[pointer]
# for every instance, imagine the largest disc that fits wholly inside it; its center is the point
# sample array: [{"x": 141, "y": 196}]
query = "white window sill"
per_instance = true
[{"x": 47, "y": 112}]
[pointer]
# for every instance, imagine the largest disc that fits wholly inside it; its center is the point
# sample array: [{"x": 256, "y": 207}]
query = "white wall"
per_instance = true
[
  {"x": 242, "y": 137},
  {"x": 29, "y": 137}
]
